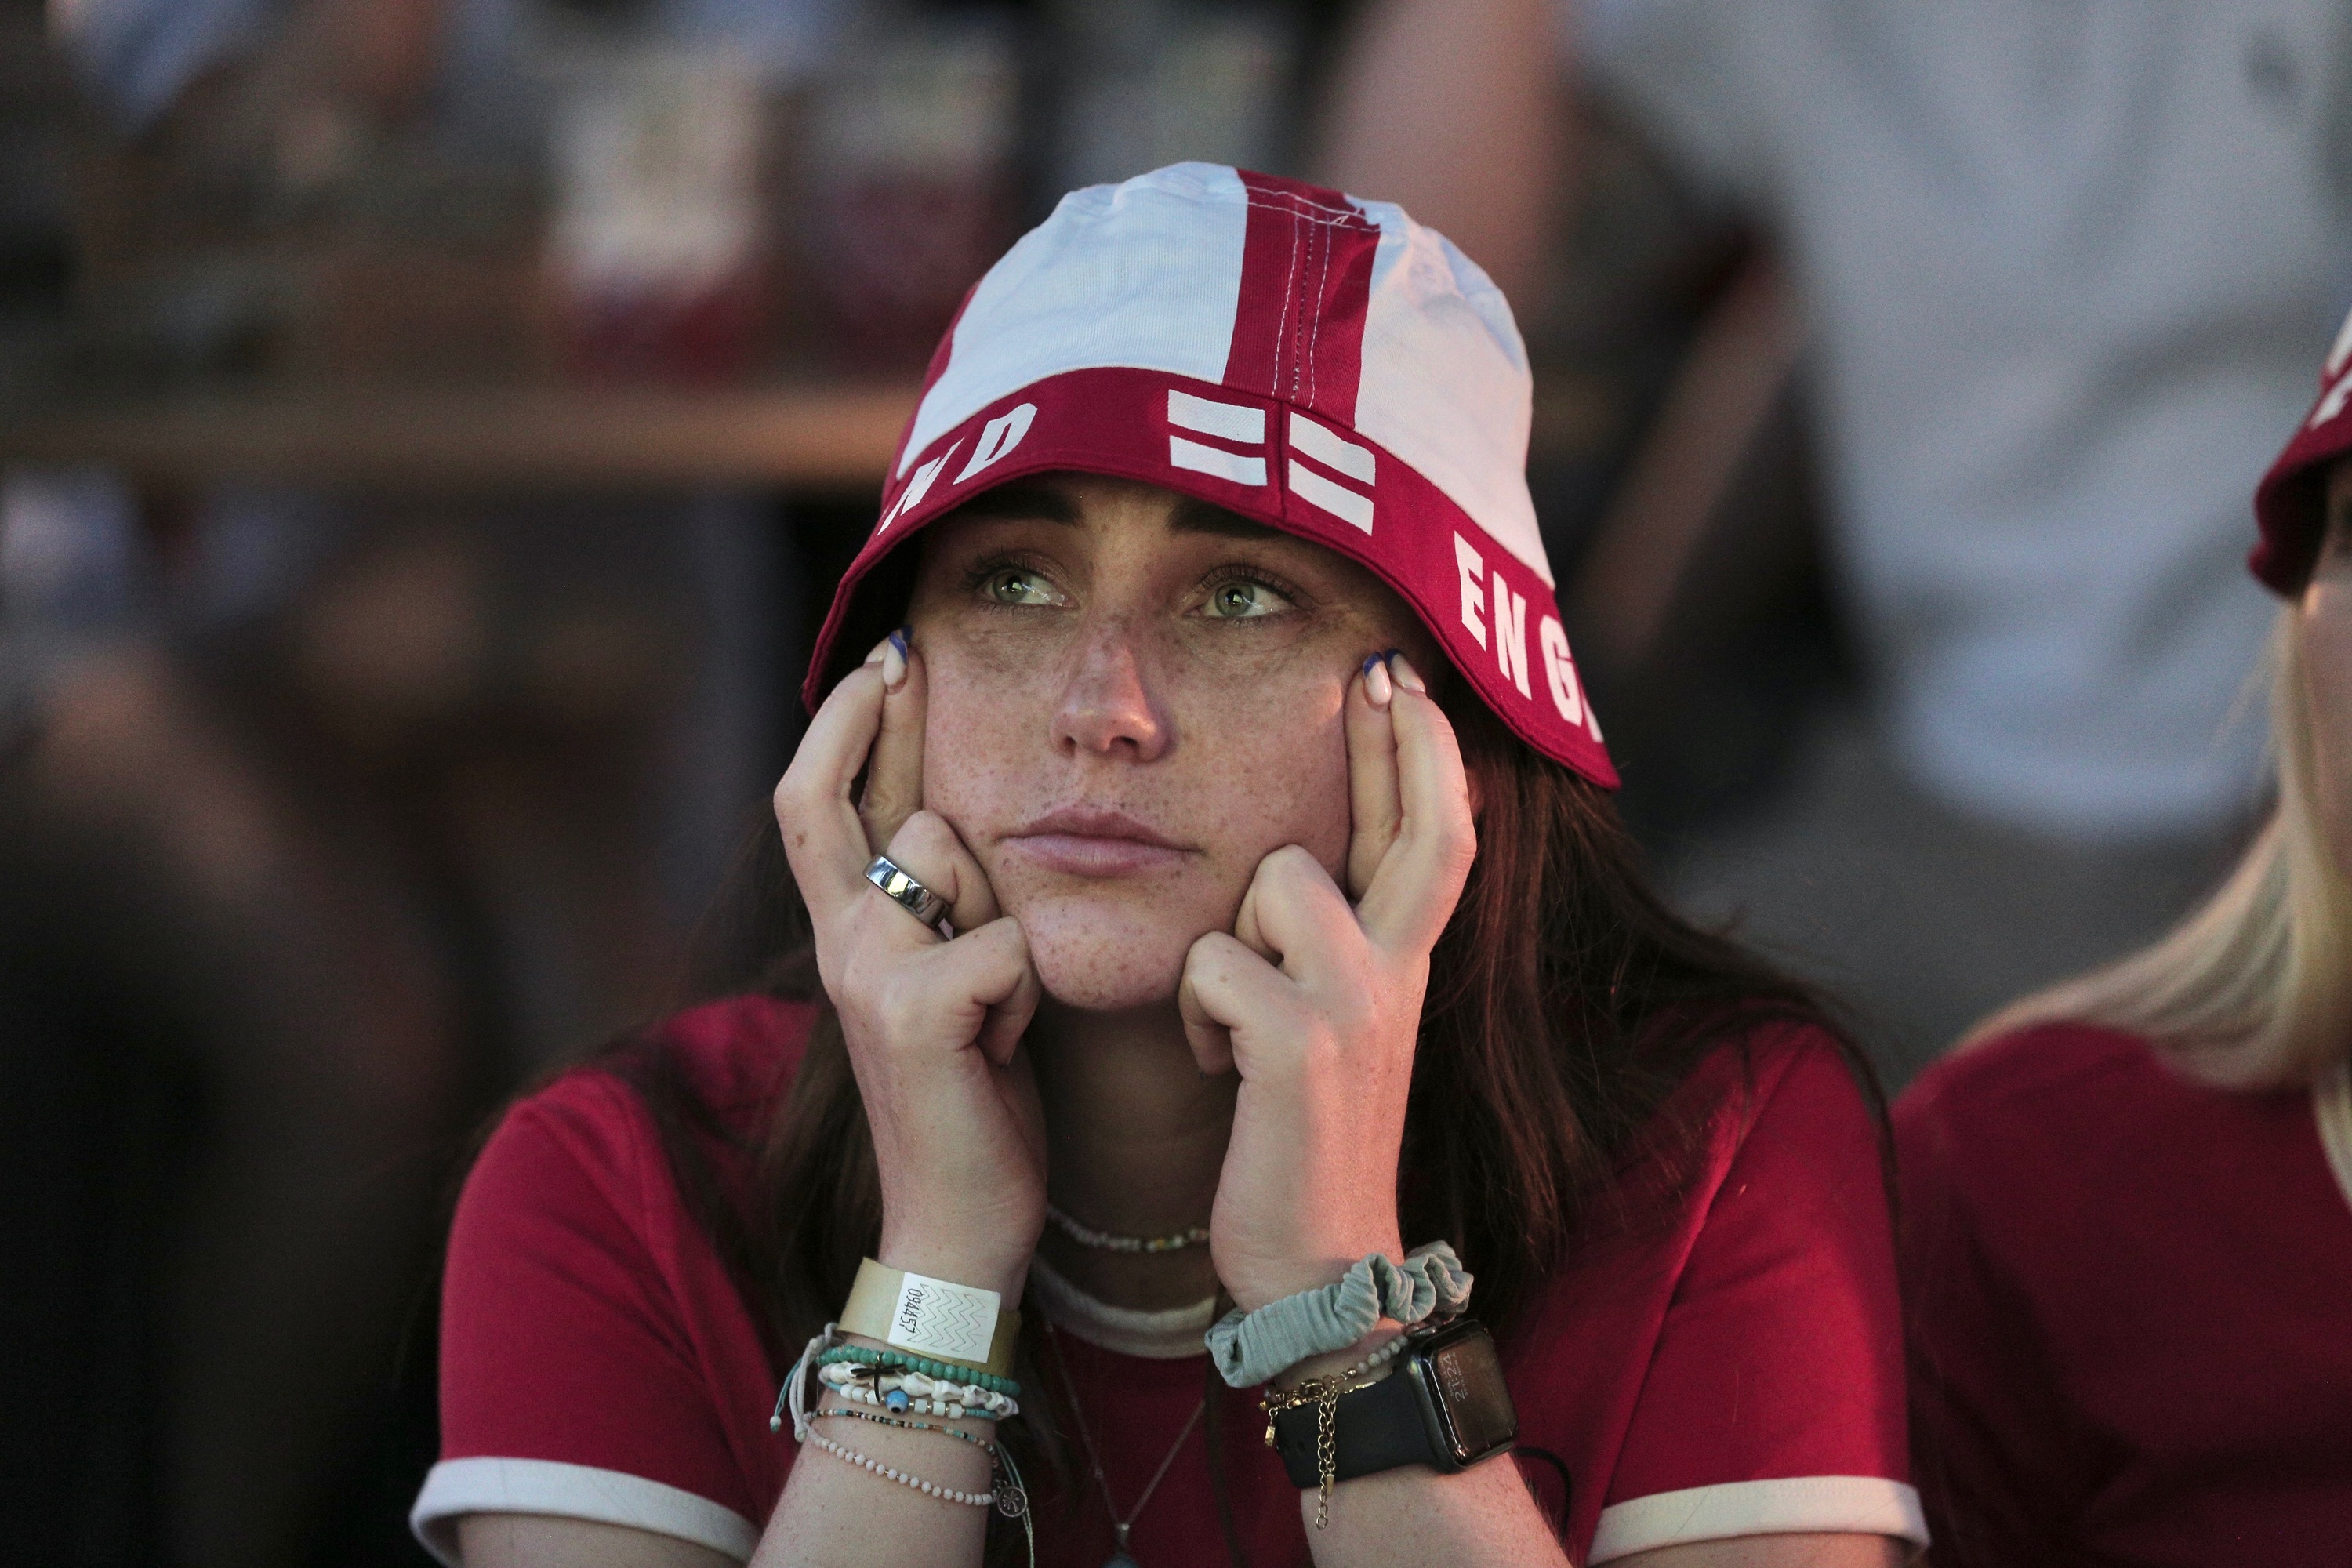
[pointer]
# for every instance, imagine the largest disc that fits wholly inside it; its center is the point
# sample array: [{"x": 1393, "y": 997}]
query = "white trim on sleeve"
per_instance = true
[
  {"x": 1843, "y": 1505},
  {"x": 459, "y": 1487}
]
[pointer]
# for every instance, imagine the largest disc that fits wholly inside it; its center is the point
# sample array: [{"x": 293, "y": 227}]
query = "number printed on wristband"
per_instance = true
[{"x": 937, "y": 1318}]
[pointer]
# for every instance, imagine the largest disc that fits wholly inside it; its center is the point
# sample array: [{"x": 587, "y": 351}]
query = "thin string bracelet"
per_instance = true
[
  {"x": 958, "y": 1433},
  {"x": 1104, "y": 1241},
  {"x": 1012, "y": 1492}
]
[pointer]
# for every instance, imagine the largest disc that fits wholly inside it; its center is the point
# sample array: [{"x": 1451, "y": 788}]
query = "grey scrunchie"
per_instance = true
[{"x": 1251, "y": 1347}]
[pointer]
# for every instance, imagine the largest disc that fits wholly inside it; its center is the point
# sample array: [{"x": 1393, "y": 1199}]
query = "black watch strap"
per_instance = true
[{"x": 1373, "y": 1429}]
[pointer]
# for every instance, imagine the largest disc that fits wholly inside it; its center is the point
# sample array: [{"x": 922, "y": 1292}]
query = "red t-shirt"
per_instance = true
[
  {"x": 1735, "y": 1369},
  {"x": 2132, "y": 1312}
]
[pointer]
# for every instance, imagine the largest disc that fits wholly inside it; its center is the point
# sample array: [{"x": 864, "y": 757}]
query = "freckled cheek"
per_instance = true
[
  {"x": 980, "y": 752},
  {"x": 1279, "y": 767}
]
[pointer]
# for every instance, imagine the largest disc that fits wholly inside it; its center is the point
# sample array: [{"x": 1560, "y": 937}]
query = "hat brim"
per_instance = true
[{"x": 1494, "y": 617}]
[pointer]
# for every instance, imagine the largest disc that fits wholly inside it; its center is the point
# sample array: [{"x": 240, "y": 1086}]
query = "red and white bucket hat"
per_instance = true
[
  {"x": 1318, "y": 363},
  {"x": 2290, "y": 504}
]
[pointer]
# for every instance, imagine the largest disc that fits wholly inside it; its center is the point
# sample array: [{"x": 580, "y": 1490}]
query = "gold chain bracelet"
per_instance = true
[{"x": 1324, "y": 1393}]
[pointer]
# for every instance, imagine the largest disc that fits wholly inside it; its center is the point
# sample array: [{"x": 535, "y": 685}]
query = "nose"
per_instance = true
[{"x": 1107, "y": 707}]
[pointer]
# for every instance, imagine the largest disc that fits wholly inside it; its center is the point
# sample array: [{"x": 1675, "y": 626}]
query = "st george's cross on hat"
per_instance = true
[
  {"x": 1313, "y": 361},
  {"x": 2290, "y": 504}
]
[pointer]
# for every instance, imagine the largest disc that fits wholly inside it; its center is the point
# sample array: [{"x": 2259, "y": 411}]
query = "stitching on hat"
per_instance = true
[
  {"x": 1282, "y": 323},
  {"x": 1340, "y": 216},
  {"x": 1300, "y": 210},
  {"x": 1315, "y": 345}
]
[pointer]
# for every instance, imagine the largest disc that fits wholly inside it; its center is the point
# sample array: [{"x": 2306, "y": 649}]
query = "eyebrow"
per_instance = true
[{"x": 1196, "y": 516}]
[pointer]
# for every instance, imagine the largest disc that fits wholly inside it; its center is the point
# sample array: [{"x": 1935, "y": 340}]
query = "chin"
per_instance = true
[{"x": 1105, "y": 960}]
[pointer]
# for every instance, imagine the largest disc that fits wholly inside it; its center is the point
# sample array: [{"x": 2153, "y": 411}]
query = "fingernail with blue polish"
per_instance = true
[
  {"x": 1377, "y": 690},
  {"x": 893, "y": 660}
]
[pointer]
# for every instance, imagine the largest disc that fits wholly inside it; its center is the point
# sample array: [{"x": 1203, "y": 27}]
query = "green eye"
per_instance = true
[
  {"x": 1242, "y": 600},
  {"x": 1020, "y": 586}
]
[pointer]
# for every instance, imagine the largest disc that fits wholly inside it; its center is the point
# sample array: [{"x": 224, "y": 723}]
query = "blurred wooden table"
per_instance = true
[{"x": 808, "y": 436}]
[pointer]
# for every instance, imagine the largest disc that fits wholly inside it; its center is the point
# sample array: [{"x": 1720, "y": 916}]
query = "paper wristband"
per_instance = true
[{"x": 936, "y": 1318}]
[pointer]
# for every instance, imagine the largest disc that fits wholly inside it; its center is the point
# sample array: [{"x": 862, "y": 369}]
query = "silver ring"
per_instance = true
[{"x": 905, "y": 891}]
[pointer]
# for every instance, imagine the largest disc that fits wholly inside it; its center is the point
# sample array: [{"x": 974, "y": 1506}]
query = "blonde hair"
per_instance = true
[{"x": 2254, "y": 989}]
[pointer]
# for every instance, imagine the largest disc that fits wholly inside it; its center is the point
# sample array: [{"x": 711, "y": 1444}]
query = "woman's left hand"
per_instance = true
[{"x": 1317, "y": 1000}]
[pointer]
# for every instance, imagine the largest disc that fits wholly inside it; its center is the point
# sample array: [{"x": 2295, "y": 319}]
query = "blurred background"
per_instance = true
[{"x": 429, "y": 431}]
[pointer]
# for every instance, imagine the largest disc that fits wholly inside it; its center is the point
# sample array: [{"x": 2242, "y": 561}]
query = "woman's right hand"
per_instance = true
[{"x": 933, "y": 1026}]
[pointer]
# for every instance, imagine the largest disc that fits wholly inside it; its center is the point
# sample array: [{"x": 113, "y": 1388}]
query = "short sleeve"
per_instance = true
[
  {"x": 1685, "y": 70},
  {"x": 1996, "y": 1452},
  {"x": 1774, "y": 1400},
  {"x": 570, "y": 1384}
]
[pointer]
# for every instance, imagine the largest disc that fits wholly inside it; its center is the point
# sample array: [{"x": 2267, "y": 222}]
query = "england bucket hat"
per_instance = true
[
  {"x": 2290, "y": 504},
  {"x": 1318, "y": 363}
]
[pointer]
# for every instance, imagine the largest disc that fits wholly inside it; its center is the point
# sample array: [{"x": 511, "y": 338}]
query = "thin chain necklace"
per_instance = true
[
  {"x": 1120, "y": 1527},
  {"x": 1103, "y": 1240}
]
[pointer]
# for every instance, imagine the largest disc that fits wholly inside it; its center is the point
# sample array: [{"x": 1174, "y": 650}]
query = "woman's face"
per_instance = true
[
  {"x": 1135, "y": 696},
  {"x": 2324, "y": 623}
]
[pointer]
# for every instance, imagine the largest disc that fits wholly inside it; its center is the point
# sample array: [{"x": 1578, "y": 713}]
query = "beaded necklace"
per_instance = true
[{"x": 1103, "y": 1240}]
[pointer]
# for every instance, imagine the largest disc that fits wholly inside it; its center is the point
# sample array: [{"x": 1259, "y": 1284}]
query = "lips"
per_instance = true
[{"x": 1079, "y": 841}]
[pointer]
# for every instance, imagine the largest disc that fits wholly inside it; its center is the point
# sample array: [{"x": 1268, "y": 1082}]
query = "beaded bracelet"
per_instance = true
[
  {"x": 916, "y": 1384},
  {"x": 983, "y": 1443},
  {"x": 1011, "y": 1500},
  {"x": 1381, "y": 1355},
  {"x": 928, "y": 1489},
  {"x": 1012, "y": 1491},
  {"x": 948, "y": 1370},
  {"x": 913, "y": 1407}
]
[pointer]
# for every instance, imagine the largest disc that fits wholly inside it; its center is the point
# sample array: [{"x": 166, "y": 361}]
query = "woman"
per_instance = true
[
  {"x": 1229, "y": 732},
  {"x": 2127, "y": 1243}
]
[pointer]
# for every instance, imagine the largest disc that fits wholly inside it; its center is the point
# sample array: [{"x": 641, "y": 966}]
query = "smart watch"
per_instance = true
[{"x": 1444, "y": 1406}]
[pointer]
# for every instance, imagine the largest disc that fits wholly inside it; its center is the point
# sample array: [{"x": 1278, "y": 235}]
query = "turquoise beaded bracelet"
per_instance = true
[{"x": 947, "y": 1371}]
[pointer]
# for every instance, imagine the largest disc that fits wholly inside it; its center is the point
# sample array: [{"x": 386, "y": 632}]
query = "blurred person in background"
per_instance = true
[
  {"x": 352, "y": 819},
  {"x": 2127, "y": 1200},
  {"x": 365, "y": 65},
  {"x": 2045, "y": 363},
  {"x": 320, "y": 826}
]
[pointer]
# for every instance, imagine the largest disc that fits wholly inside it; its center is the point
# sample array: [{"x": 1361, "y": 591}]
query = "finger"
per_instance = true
[
  {"x": 1373, "y": 809},
  {"x": 928, "y": 848},
  {"x": 1297, "y": 917},
  {"x": 894, "y": 773},
  {"x": 1010, "y": 1014},
  {"x": 1226, "y": 988},
  {"x": 1212, "y": 1041},
  {"x": 1246, "y": 923},
  {"x": 823, "y": 837},
  {"x": 990, "y": 974},
  {"x": 1413, "y": 892}
]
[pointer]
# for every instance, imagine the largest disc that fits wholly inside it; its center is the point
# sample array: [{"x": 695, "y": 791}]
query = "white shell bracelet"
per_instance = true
[
  {"x": 947, "y": 1407},
  {"x": 916, "y": 1385}
]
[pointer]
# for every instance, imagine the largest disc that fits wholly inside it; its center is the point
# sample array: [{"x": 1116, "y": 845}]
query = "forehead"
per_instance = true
[{"x": 1097, "y": 501}]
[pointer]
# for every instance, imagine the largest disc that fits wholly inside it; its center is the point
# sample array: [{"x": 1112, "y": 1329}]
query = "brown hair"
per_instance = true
[{"x": 1565, "y": 1002}]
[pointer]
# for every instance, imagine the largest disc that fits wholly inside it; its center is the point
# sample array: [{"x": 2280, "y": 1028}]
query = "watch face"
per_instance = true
[{"x": 1467, "y": 1379}]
